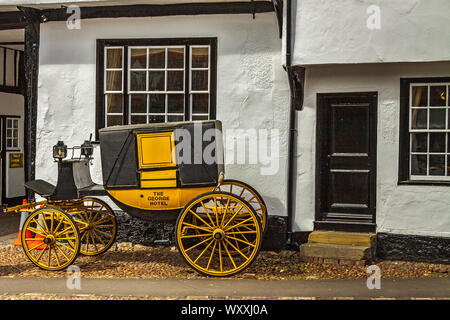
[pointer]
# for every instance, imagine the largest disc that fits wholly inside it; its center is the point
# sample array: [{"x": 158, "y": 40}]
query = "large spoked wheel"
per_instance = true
[
  {"x": 249, "y": 194},
  {"x": 56, "y": 241},
  {"x": 210, "y": 229},
  {"x": 98, "y": 226}
]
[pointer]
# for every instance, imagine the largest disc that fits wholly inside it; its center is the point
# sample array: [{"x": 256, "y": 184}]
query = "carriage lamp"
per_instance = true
[
  {"x": 59, "y": 150},
  {"x": 87, "y": 149}
]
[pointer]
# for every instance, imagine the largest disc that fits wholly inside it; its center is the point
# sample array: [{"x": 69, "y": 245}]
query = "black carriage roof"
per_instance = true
[{"x": 163, "y": 125}]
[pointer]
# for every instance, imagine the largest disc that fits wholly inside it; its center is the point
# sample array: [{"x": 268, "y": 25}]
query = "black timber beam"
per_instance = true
[
  {"x": 161, "y": 10},
  {"x": 12, "y": 20}
]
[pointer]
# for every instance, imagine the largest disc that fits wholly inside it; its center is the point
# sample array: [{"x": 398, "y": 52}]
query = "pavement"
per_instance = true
[{"x": 428, "y": 288}]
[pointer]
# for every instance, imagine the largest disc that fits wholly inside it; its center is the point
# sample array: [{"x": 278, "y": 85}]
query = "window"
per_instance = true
[
  {"x": 156, "y": 80},
  {"x": 12, "y": 133},
  {"x": 425, "y": 130}
]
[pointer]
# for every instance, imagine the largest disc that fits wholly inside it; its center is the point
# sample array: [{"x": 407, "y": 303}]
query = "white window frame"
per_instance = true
[{"x": 12, "y": 138}]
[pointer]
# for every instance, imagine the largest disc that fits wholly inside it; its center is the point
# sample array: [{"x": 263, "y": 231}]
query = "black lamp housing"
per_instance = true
[{"x": 59, "y": 150}]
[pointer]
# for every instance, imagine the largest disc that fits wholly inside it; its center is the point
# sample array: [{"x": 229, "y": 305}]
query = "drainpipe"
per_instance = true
[{"x": 296, "y": 76}]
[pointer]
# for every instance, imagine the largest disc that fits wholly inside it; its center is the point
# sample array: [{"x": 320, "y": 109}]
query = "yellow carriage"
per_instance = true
[{"x": 171, "y": 172}]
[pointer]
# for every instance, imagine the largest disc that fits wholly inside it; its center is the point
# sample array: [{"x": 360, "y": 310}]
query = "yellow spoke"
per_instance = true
[
  {"x": 247, "y": 243},
  {"x": 201, "y": 219},
  {"x": 227, "y": 233},
  {"x": 40, "y": 227},
  {"x": 84, "y": 233},
  {"x": 105, "y": 226},
  {"x": 67, "y": 238},
  {"x": 104, "y": 233},
  {"x": 87, "y": 241},
  {"x": 51, "y": 225},
  {"x": 38, "y": 245},
  {"x": 103, "y": 219},
  {"x": 59, "y": 224},
  {"x": 196, "y": 236},
  {"x": 206, "y": 211},
  {"x": 42, "y": 252},
  {"x": 65, "y": 231},
  {"x": 56, "y": 257},
  {"x": 95, "y": 234},
  {"x": 93, "y": 241},
  {"x": 225, "y": 212},
  {"x": 199, "y": 243},
  {"x": 49, "y": 255},
  {"x": 203, "y": 251},
  {"x": 216, "y": 212},
  {"x": 229, "y": 255},
  {"x": 57, "y": 247},
  {"x": 234, "y": 215},
  {"x": 239, "y": 251},
  {"x": 220, "y": 257},
  {"x": 196, "y": 227},
  {"x": 212, "y": 253},
  {"x": 236, "y": 225},
  {"x": 36, "y": 231},
  {"x": 68, "y": 248}
]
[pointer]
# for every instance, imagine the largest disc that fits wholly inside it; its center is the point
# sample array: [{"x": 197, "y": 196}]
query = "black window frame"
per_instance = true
[
  {"x": 404, "y": 177},
  {"x": 102, "y": 44}
]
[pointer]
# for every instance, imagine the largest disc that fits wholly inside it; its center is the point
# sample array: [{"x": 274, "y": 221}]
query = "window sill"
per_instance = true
[{"x": 424, "y": 183}]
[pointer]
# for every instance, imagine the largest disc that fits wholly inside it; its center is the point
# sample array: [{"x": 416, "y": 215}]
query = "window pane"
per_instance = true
[
  {"x": 419, "y": 142},
  {"x": 14, "y": 133},
  {"x": 437, "y": 96},
  {"x": 437, "y": 118},
  {"x": 200, "y": 103},
  {"x": 437, "y": 165},
  {"x": 157, "y": 103},
  {"x": 15, "y": 123},
  {"x": 9, "y": 143},
  {"x": 437, "y": 142},
  {"x": 156, "y": 119},
  {"x": 200, "y": 80},
  {"x": 114, "y": 80},
  {"x": 419, "y": 96},
  {"x": 175, "y": 80},
  {"x": 175, "y": 103},
  {"x": 418, "y": 165},
  {"x": 157, "y": 58},
  {"x": 15, "y": 143},
  {"x": 138, "y": 119},
  {"x": 156, "y": 80},
  {"x": 419, "y": 119},
  {"x": 114, "y": 58},
  {"x": 175, "y": 58},
  {"x": 114, "y": 103},
  {"x": 138, "y": 103},
  {"x": 200, "y": 58},
  {"x": 9, "y": 123},
  {"x": 9, "y": 133},
  {"x": 138, "y": 59},
  {"x": 137, "y": 81},
  {"x": 175, "y": 118},
  {"x": 114, "y": 120}
]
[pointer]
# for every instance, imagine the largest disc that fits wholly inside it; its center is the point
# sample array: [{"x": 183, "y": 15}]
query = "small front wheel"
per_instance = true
[
  {"x": 218, "y": 234},
  {"x": 56, "y": 241}
]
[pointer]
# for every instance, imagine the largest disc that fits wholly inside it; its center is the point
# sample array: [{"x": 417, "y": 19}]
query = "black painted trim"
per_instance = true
[
  {"x": 404, "y": 136},
  {"x": 244, "y": 7}
]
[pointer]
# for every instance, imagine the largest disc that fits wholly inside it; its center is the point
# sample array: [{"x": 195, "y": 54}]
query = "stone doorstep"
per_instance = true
[
  {"x": 336, "y": 251},
  {"x": 342, "y": 238}
]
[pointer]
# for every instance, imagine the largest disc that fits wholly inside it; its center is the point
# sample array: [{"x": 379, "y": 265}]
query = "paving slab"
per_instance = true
[{"x": 182, "y": 288}]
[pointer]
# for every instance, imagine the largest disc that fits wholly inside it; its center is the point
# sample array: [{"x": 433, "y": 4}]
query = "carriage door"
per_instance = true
[{"x": 346, "y": 159}]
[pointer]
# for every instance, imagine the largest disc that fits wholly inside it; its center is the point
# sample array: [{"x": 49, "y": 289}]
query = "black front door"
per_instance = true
[{"x": 346, "y": 157}]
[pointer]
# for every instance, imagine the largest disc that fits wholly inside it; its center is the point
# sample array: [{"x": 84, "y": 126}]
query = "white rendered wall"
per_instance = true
[
  {"x": 405, "y": 209},
  {"x": 330, "y": 31},
  {"x": 252, "y": 89}
]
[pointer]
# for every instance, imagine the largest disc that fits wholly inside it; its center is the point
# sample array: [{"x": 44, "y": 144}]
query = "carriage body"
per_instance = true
[{"x": 152, "y": 171}]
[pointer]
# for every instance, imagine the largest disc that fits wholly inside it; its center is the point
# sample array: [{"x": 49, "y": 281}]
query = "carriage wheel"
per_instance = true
[
  {"x": 208, "y": 228},
  {"x": 249, "y": 194},
  {"x": 98, "y": 226},
  {"x": 59, "y": 239}
]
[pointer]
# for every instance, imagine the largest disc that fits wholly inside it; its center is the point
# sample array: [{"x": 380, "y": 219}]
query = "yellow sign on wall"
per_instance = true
[{"x": 16, "y": 160}]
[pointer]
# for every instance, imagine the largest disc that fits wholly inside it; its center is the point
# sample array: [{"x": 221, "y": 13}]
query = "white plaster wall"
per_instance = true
[
  {"x": 330, "y": 31},
  {"x": 252, "y": 89},
  {"x": 406, "y": 209}
]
